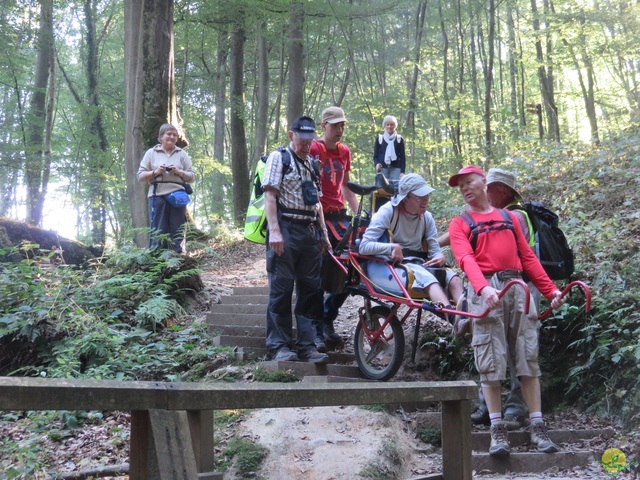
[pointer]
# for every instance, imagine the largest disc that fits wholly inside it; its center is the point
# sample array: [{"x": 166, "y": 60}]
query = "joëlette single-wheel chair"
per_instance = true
[{"x": 379, "y": 342}]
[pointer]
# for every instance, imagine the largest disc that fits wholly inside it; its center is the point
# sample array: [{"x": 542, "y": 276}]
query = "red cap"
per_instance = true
[{"x": 453, "y": 181}]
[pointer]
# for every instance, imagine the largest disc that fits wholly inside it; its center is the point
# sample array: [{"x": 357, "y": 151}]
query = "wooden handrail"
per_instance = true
[
  {"x": 164, "y": 415},
  {"x": 26, "y": 393}
]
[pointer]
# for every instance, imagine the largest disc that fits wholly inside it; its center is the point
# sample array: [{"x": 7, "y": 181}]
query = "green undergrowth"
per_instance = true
[{"x": 123, "y": 318}]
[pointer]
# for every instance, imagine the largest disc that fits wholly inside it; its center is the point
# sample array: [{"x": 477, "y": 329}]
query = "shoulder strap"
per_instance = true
[
  {"x": 380, "y": 137},
  {"x": 484, "y": 227},
  {"x": 505, "y": 216},
  {"x": 395, "y": 217},
  {"x": 286, "y": 159}
]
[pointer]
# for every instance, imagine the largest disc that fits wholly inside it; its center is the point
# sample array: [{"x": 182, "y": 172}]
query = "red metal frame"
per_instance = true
[{"x": 354, "y": 259}]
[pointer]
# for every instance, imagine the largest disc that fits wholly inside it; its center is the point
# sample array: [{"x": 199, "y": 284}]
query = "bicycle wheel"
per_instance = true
[{"x": 380, "y": 359}]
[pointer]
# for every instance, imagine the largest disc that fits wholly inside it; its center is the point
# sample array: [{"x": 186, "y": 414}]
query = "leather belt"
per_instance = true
[
  {"x": 297, "y": 221},
  {"x": 505, "y": 274}
]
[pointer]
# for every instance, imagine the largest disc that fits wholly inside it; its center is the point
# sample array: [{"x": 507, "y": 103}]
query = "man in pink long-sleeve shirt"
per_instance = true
[{"x": 498, "y": 253}]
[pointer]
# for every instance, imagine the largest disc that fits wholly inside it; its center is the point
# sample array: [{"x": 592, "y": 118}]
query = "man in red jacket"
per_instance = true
[{"x": 496, "y": 253}]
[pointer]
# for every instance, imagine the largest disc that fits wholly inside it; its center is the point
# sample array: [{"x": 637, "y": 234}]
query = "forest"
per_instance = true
[
  {"x": 546, "y": 88},
  {"x": 86, "y": 85}
]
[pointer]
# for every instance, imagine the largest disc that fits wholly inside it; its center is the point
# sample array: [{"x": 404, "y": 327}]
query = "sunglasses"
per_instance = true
[{"x": 415, "y": 198}]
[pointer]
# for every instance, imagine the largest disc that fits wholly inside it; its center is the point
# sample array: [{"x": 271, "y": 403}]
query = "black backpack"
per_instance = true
[{"x": 551, "y": 246}]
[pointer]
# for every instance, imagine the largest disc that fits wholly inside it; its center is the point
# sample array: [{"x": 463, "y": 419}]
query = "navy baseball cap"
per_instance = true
[{"x": 304, "y": 127}]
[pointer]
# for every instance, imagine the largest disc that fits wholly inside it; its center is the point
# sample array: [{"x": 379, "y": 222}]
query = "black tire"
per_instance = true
[{"x": 382, "y": 359}]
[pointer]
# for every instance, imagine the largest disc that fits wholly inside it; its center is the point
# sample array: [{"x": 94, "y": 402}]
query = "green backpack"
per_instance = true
[{"x": 255, "y": 225}]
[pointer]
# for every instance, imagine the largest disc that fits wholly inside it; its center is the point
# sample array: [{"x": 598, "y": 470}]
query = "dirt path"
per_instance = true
[{"x": 348, "y": 442}]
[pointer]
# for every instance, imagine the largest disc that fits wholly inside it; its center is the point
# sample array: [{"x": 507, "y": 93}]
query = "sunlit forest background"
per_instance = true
[
  {"x": 546, "y": 88},
  {"x": 491, "y": 83}
]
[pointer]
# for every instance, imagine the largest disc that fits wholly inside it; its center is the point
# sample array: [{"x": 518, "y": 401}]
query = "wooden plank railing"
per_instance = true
[{"x": 172, "y": 427}]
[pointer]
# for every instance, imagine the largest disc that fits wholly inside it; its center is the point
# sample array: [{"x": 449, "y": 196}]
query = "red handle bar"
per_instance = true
[
  {"x": 576, "y": 283},
  {"x": 516, "y": 281}
]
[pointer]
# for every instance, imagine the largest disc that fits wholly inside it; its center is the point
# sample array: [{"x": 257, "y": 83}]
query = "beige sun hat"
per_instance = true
[
  {"x": 498, "y": 175},
  {"x": 333, "y": 115}
]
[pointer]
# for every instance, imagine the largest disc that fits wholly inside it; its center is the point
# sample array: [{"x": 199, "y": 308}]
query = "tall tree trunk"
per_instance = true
[
  {"x": 457, "y": 126},
  {"x": 36, "y": 167},
  {"x": 413, "y": 82},
  {"x": 513, "y": 72},
  {"x": 295, "y": 102},
  {"x": 452, "y": 114},
  {"x": 98, "y": 145},
  {"x": 149, "y": 91},
  {"x": 475, "y": 91},
  {"x": 281, "y": 78},
  {"x": 239, "y": 169},
  {"x": 220, "y": 115},
  {"x": 262, "y": 109},
  {"x": 545, "y": 76},
  {"x": 588, "y": 93},
  {"x": 488, "y": 80}
]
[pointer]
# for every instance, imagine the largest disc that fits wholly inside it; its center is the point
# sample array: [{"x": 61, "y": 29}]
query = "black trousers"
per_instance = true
[{"x": 167, "y": 225}]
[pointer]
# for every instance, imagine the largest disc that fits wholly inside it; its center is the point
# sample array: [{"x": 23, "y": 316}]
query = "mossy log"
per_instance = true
[{"x": 49, "y": 244}]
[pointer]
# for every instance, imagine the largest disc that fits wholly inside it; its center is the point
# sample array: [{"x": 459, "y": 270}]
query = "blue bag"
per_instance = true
[{"x": 178, "y": 199}]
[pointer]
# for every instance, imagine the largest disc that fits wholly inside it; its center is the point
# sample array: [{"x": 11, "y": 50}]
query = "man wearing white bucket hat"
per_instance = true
[{"x": 502, "y": 193}]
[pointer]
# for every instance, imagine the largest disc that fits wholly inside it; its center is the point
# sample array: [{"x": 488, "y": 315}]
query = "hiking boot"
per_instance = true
[
  {"x": 330, "y": 334},
  {"x": 513, "y": 422},
  {"x": 480, "y": 417},
  {"x": 540, "y": 438},
  {"x": 320, "y": 345},
  {"x": 285, "y": 355},
  {"x": 499, "y": 440},
  {"x": 313, "y": 356}
]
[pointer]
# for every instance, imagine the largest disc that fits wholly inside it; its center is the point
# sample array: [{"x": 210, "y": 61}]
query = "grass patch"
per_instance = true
[
  {"x": 431, "y": 436},
  {"x": 284, "y": 376},
  {"x": 389, "y": 467},
  {"x": 245, "y": 455},
  {"x": 374, "y": 407}
]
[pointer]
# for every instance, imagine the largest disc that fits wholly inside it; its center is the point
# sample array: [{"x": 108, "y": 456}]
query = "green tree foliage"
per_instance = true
[{"x": 373, "y": 58}]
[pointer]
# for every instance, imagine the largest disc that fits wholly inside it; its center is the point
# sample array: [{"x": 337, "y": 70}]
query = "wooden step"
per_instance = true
[
  {"x": 244, "y": 300},
  {"x": 244, "y": 342},
  {"x": 240, "y": 322},
  {"x": 240, "y": 308},
  {"x": 237, "y": 319},
  {"x": 262, "y": 290},
  {"x": 251, "y": 353},
  {"x": 531, "y": 462},
  {"x": 305, "y": 369},
  {"x": 239, "y": 330},
  {"x": 517, "y": 438},
  {"x": 525, "y": 461},
  {"x": 332, "y": 379}
]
